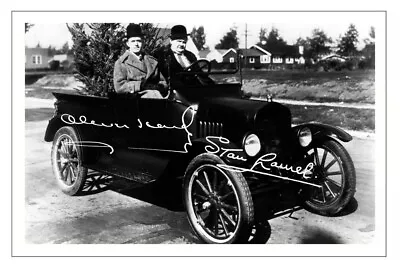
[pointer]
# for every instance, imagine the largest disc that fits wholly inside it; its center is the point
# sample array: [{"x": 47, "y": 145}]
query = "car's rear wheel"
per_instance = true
[
  {"x": 218, "y": 202},
  {"x": 66, "y": 159},
  {"x": 334, "y": 171}
]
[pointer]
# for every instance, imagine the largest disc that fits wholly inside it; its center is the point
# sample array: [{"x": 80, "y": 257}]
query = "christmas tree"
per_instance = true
[{"x": 96, "y": 47}]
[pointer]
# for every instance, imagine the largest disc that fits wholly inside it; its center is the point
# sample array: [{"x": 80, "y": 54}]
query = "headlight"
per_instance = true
[
  {"x": 252, "y": 145},
  {"x": 305, "y": 136}
]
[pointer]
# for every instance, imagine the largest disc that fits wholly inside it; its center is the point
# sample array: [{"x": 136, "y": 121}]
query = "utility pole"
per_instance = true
[{"x": 245, "y": 45}]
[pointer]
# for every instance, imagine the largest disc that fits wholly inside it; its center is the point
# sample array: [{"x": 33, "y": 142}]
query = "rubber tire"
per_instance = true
[
  {"x": 349, "y": 182},
  {"x": 245, "y": 199},
  {"x": 77, "y": 186}
]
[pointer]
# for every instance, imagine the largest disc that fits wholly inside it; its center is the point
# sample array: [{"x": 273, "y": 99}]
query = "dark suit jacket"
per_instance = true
[
  {"x": 132, "y": 75},
  {"x": 169, "y": 66}
]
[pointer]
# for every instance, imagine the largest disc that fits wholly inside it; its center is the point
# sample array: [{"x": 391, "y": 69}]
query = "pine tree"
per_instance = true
[
  {"x": 198, "y": 37},
  {"x": 274, "y": 40},
  {"x": 97, "y": 46},
  {"x": 230, "y": 40},
  {"x": 262, "y": 36},
  {"x": 369, "y": 49},
  {"x": 348, "y": 43},
  {"x": 65, "y": 48},
  {"x": 318, "y": 43}
]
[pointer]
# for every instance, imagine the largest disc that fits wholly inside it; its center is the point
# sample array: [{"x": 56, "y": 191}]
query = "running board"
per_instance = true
[
  {"x": 114, "y": 168},
  {"x": 142, "y": 178}
]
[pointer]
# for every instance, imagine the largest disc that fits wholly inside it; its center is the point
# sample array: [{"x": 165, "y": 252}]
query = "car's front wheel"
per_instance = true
[
  {"x": 334, "y": 171},
  {"x": 218, "y": 202},
  {"x": 66, "y": 159}
]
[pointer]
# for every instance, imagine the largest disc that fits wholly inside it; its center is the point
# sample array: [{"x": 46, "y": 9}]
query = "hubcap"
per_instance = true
[
  {"x": 214, "y": 204},
  {"x": 67, "y": 160},
  {"x": 328, "y": 172}
]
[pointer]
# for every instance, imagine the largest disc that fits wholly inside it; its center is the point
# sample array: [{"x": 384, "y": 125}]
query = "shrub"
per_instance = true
[
  {"x": 308, "y": 63},
  {"x": 366, "y": 63},
  {"x": 299, "y": 66},
  {"x": 350, "y": 64},
  {"x": 66, "y": 64},
  {"x": 362, "y": 64}
]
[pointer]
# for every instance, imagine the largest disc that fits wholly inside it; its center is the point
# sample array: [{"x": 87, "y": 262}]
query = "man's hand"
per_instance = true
[
  {"x": 150, "y": 94},
  {"x": 162, "y": 88}
]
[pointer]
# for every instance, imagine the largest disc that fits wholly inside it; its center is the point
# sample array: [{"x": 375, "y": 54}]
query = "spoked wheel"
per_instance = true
[
  {"x": 218, "y": 202},
  {"x": 334, "y": 172},
  {"x": 66, "y": 157}
]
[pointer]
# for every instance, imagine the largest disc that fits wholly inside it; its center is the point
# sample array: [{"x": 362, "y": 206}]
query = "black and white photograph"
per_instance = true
[{"x": 187, "y": 129}]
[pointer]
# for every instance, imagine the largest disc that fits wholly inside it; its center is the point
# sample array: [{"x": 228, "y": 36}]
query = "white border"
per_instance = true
[{"x": 20, "y": 248}]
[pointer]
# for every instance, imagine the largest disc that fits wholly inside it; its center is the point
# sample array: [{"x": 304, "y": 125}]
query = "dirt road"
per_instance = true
[{"x": 119, "y": 214}]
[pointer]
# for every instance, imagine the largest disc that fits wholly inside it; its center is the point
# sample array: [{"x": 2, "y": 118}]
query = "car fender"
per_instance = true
[
  {"x": 54, "y": 124},
  {"x": 89, "y": 155},
  {"x": 321, "y": 130}
]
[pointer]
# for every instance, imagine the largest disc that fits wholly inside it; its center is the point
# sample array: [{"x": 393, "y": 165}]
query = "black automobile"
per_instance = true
[{"x": 209, "y": 137}]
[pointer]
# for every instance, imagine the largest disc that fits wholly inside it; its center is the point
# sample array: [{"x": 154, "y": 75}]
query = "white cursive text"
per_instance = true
[
  {"x": 69, "y": 119},
  {"x": 92, "y": 144},
  {"x": 215, "y": 149},
  {"x": 262, "y": 165}
]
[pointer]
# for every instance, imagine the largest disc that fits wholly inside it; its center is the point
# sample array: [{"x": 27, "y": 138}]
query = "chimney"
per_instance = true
[{"x": 301, "y": 49}]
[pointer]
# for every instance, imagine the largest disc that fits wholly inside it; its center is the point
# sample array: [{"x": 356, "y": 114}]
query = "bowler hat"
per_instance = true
[
  {"x": 133, "y": 30},
  {"x": 178, "y": 32}
]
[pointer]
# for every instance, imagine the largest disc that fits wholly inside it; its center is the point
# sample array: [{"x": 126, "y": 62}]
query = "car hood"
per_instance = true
[{"x": 239, "y": 110}]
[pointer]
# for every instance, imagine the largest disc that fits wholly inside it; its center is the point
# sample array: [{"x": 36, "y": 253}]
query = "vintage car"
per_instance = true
[{"x": 213, "y": 140}]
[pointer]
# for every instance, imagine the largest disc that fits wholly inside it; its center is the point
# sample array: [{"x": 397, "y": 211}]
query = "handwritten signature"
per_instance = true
[
  {"x": 185, "y": 125},
  {"x": 265, "y": 162},
  {"x": 83, "y": 120},
  {"x": 239, "y": 169},
  {"x": 70, "y": 119},
  {"x": 92, "y": 144},
  {"x": 215, "y": 149}
]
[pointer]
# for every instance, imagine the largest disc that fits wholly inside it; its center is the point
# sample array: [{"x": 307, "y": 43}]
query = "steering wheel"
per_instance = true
[{"x": 201, "y": 65}]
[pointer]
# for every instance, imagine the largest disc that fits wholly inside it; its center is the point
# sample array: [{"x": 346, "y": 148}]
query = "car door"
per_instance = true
[
  {"x": 164, "y": 125},
  {"x": 125, "y": 109}
]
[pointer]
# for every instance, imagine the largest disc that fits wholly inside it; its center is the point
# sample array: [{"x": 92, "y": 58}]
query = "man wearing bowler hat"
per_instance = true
[
  {"x": 136, "y": 72},
  {"x": 176, "y": 58}
]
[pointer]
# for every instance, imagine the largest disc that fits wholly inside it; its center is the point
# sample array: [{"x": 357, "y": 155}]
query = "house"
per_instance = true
[
  {"x": 203, "y": 53},
  {"x": 215, "y": 54},
  {"x": 37, "y": 58},
  {"x": 259, "y": 57},
  {"x": 255, "y": 57},
  {"x": 230, "y": 56},
  {"x": 288, "y": 54},
  {"x": 65, "y": 61}
]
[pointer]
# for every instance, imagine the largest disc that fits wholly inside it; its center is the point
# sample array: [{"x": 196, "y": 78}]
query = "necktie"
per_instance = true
[{"x": 182, "y": 61}]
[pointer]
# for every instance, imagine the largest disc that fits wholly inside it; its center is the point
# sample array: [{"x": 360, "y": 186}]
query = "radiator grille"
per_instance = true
[{"x": 210, "y": 128}]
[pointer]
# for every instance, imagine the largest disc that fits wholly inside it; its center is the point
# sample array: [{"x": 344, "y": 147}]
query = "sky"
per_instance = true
[{"x": 291, "y": 25}]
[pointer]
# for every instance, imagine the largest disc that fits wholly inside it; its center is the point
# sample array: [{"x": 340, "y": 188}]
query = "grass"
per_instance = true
[
  {"x": 41, "y": 93},
  {"x": 296, "y": 76},
  {"x": 356, "y": 86},
  {"x": 347, "y": 118}
]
